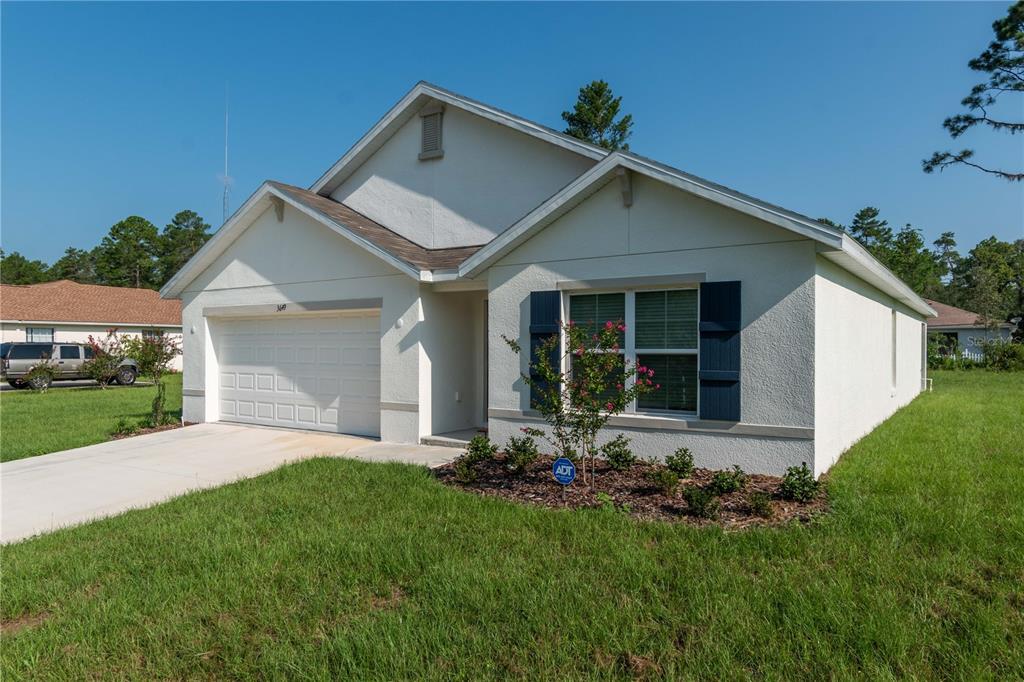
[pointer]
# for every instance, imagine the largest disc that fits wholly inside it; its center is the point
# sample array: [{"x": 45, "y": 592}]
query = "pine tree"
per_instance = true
[
  {"x": 181, "y": 238},
  {"x": 593, "y": 118},
  {"x": 127, "y": 256}
]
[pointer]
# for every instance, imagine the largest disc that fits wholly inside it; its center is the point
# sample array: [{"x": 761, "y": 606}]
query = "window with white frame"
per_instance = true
[
  {"x": 39, "y": 334},
  {"x": 152, "y": 334},
  {"x": 661, "y": 333}
]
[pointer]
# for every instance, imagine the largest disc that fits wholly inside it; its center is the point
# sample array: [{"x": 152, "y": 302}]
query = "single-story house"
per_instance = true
[
  {"x": 66, "y": 311},
  {"x": 376, "y": 301},
  {"x": 965, "y": 331}
]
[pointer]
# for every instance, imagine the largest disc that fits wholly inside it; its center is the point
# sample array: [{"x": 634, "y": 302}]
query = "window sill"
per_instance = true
[{"x": 426, "y": 156}]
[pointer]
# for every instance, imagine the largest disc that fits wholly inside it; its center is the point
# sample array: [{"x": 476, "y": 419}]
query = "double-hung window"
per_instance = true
[
  {"x": 39, "y": 334},
  {"x": 661, "y": 334}
]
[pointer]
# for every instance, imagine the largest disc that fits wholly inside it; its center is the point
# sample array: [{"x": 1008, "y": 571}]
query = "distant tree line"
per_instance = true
[
  {"x": 134, "y": 253},
  {"x": 988, "y": 280}
]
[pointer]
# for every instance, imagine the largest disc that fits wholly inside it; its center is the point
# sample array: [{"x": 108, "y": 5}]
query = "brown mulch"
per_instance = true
[
  {"x": 150, "y": 429},
  {"x": 630, "y": 489}
]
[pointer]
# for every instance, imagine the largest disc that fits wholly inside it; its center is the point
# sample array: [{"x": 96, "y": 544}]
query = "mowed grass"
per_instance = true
[
  {"x": 69, "y": 417},
  {"x": 335, "y": 569}
]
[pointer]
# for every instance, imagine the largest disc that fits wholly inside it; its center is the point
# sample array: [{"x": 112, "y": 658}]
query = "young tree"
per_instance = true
[
  {"x": 872, "y": 232},
  {"x": 946, "y": 254},
  {"x": 593, "y": 118},
  {"x": 597, "y": 385},
  {"x": 16, "y": 269},
  {"x": 1003, "y": 61},
  {"x": 153, "y": 356},
  {"x": 127, "y": 255},
  {"x": 181, "y": 238},
  {"x": 76, "y": 265},
  {"x": 912, "y": 262},
  {"x": 107, "y": 355}
]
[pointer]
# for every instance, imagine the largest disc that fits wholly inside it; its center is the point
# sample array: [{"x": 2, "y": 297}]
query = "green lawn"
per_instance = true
[
  {"x": 69, "y": 417},
  {"x": 334, "y": 569}
]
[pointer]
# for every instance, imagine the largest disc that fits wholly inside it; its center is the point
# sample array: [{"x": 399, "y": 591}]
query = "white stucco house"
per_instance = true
[
  {"x": 375, "y": 301},
  {"x": 68, "y": 312}
]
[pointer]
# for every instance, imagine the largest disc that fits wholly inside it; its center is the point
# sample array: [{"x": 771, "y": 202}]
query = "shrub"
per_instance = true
[
  {"x": 41, "y": 375},
  {"x": 798, "y": 484},
  {"x": 125, "y": 428},
  {"x": 465, "y": 471},
  {"x": 664, "y": 480},
  {"x": 703, "y": 503},
  {"x": 153, "y": 357},
  {"x": 618, "y": 454},
  {"x": 480, "y": 449},
  {"x": 107, "y": 354},
  {"x": 520, "y": 453},
  {"x": 1002, "y": 355},
  {"x": 724, "y": 482},
  {"x": 760, "y": 504},
  {"x": 681, "y": 462},
  {"x": 608, "y": 504}
]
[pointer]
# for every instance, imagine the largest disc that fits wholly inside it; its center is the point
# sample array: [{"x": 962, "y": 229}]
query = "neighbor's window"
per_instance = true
[
  {"x": 152, "y": 334},
  {"x": 663, "y": 326},
  {"x": 70, "y": 353},
  {"x": 39, "y": 334}
]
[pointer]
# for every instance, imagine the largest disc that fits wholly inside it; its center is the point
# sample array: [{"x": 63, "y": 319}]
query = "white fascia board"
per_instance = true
[
  {"x": 573, "y": 193},
  {"x": 316, "y": 215},
  {"x": 214, "y": 246},
  {"x": 147, "y": 325},
  {"x": 868, "y": 268},
  {"x": 409, "y": 104}
]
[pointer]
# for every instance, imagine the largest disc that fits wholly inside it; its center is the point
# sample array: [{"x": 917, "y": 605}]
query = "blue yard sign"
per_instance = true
[{"x": 564, "y": 470}]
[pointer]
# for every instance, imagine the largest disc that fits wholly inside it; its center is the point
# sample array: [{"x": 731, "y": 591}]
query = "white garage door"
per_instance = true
[{"x": 319, "y": 372}]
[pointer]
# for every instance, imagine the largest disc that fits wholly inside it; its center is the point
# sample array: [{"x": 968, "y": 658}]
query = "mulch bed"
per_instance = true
[
  {"x": 632, "y": 489},
  {"x": 149, "y": 429}
]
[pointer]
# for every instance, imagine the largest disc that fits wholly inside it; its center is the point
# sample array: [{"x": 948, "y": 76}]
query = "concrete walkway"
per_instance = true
[{"x": 40, "y": 494}]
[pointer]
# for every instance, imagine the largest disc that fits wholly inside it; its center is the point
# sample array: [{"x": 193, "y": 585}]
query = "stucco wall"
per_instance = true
[
  {"x": 667, "y": 231},
  {"x": 79, "y": 333},
  {"x": 489, "y": 177},
  {"x": 300, "y": 260},
  {"x": 855, "y": 390}
]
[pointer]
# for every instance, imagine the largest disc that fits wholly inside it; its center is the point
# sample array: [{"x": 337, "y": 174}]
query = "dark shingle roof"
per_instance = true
[{"x": 375, "y": 233}]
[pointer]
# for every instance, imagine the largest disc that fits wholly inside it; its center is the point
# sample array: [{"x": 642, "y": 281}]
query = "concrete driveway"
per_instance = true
[{"x": 40, "y": 494}]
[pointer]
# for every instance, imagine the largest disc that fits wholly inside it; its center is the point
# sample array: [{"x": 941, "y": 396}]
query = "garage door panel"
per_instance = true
[{"x": 306, "y": 372}]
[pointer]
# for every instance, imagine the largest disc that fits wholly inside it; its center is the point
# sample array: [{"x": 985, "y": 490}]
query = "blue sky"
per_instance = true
[{"x": 116, "y": 109}]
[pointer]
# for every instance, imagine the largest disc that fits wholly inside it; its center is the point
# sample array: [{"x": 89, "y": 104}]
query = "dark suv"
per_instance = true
[{"x": 16, "y": 359}]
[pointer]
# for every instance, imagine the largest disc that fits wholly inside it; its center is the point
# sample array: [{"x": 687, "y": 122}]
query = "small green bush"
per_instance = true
[
  {"x": 760, "y": 504},
  {"x": 618, "y": 454},
  {"x": 798, "y": 484},
  {"x": 681, "y": 462},
  {"x": 125, "y": 428},
  {"x": 725, "y": 482},
  {"x": 1003, "y": 356},
  {"x": 480, "y": 449},
  {"x": 703, "y": 503},
  {"x": 608, "y": 504},
  {"x": 40, "y": 376},
  {"x": 664, "y": 480},
  {"x": 520, "y": 453}
]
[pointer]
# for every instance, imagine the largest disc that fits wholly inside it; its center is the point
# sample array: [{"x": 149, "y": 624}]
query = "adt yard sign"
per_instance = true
[{"x": 564, "y": 470}]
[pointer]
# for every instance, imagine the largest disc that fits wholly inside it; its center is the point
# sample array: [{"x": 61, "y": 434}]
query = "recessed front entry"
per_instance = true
[{"x": 318, "y": 372}]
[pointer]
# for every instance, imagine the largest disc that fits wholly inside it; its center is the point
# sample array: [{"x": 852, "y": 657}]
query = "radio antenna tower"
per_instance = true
[{"x": 227, "y": 178}]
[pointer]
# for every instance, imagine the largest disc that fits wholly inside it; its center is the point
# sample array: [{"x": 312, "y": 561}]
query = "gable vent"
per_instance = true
[{"x": 431, "y": 118}]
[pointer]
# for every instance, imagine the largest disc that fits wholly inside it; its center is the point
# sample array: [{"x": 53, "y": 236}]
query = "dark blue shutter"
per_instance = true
[
  {"x": 720, "y": 351},
  {"x": 545, "y": 314}
]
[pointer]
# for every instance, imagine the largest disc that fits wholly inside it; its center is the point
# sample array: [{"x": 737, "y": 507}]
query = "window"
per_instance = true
[
  {"x": 39, "y": 334},
  {"x": 432, "y": 123},
  {"x": 152, "y": 334},
  {"x": 36, "y": 351},
  {"x": 87, "y": 350},
  {"x": 662, "y": 334},
  {"x": 70, "y": 353}
]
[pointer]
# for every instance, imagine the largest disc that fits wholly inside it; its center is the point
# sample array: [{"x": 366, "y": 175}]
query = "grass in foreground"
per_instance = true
[
  {"x": 334, "y": 569},
  {"x": 65, "y": 417}
]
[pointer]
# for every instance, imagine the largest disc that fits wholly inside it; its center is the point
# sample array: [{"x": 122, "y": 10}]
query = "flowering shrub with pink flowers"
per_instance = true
[{"x": 596, "y": 384}]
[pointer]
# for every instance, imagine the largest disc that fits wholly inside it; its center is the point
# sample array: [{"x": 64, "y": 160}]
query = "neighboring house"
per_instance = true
[
  {"x": 68, "y": 311},
  {"x": 965, "y": 331},
  {"x": 376, "y": 301}
]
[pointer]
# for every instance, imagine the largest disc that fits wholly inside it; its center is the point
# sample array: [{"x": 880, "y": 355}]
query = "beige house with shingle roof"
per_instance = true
[{"x": 66, "y": 311}]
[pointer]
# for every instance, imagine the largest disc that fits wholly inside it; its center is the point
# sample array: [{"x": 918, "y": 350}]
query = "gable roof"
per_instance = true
[
  {"x": 836, "y": 244},
  {"x": 411, "y": 103},
  {"x": 951, "y": 316},
  {"x": 67, "y": 301}
]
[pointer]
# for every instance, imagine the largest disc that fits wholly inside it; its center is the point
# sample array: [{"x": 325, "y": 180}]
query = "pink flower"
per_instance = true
[
  {"x": 618, "y": 387},
  {"x": 615, "y": 346},
  {"x": 650, "y": 372},
  {"x": 609, "y": 324},
  {"x": 657, "y": 385},
  {"x": 579, "y": 352},
  {"x": 641, "y": 369},
  {"x": 622, "y": 327},
  {"x": 572, "y": 323},
  {"x": 648, "y": 382},
  {"x": 609, "y": 407}
]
